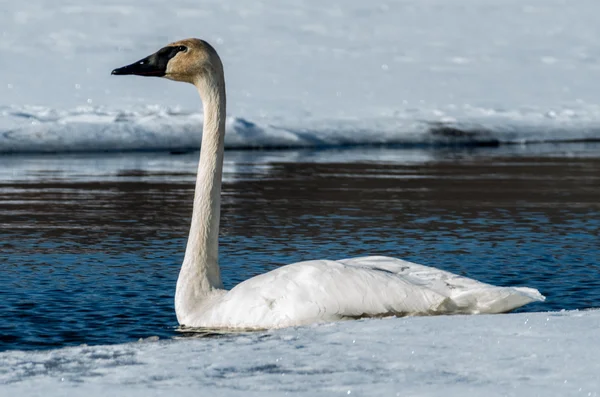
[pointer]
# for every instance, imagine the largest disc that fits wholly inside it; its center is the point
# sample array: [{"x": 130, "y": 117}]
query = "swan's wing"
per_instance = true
[
  {"x": 325, "y": 290},
  {"x": 465, "y": 294}
]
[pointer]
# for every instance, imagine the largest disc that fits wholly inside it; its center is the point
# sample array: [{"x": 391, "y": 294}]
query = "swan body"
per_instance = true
[
  {"x": 304, "y": 292},
  {"x": 325, "y": 290}
]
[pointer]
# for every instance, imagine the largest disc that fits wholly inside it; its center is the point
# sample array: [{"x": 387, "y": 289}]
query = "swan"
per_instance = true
[{"x": 300, "y": 293}]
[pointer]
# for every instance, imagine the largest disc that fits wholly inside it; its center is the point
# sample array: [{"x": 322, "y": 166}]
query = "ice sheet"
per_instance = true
[{"x": 527, "y": 354}]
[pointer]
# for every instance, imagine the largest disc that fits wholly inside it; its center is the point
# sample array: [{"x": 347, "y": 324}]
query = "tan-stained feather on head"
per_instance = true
[{"x": 199, "y": 59}]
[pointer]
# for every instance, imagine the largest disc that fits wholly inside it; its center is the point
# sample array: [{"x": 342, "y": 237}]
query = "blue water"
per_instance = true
[{"x": 90, "y": 245}]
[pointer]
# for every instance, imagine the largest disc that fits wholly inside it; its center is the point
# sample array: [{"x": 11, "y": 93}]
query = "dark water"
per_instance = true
[{"x": 90, "y": 246}]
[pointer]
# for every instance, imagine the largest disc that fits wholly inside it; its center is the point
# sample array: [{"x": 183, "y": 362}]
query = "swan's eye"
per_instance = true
[{"x": 182, "y": 48}]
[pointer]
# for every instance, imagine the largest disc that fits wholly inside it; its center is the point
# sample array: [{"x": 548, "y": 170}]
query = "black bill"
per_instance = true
[{"x": 153, "y": 65}]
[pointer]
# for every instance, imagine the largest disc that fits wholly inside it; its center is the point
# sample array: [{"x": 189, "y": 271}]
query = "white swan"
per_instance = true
[{"x": 301, "y": 293}]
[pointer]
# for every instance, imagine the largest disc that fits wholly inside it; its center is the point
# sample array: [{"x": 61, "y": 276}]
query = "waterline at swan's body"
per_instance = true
[{"x": 305, "y": 292}]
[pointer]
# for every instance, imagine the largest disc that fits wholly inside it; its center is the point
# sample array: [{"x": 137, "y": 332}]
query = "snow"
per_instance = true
[
  {"x": 305, "y": 73},
  {"x": 302, "y": 73},
  {"x": 527, "y": 354}
]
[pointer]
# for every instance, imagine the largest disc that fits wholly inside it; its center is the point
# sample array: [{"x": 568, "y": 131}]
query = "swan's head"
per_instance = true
[{"x": 189, "y": 60}]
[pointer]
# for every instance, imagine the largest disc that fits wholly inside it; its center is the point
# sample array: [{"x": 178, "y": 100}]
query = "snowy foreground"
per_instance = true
[
  {"x": 302, "y": 74},
  {"x": 527, "y": 354}
]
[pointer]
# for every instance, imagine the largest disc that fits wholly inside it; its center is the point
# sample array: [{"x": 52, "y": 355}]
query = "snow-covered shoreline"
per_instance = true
[
  {"x": 43, "y": 130},
  {"x": 549, "y": 354},
  {"x": 303, "y": 74}
]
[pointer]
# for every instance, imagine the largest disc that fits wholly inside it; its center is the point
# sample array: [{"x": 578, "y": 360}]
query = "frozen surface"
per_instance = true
[
  {"x": 528, "y": 354},
  {"x": 303, "y": 73}
]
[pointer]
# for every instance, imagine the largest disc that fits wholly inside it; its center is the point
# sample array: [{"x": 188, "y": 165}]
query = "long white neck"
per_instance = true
[{"x": 200, "y": 274}]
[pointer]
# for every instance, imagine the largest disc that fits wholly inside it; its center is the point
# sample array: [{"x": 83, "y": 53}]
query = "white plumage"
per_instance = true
[
  {"x": 376, "y": 286},
  {"x": 305, "y": 292}
]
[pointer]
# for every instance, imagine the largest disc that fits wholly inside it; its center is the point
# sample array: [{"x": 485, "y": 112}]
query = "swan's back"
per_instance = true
[{"x": 324, "y": 290}]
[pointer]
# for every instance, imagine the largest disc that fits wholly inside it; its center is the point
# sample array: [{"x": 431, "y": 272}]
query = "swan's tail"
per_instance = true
[{"x": 495, "y": 300}]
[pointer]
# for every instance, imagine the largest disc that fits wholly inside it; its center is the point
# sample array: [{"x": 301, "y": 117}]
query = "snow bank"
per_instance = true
[
  {"x": 41, "y": 130},
  {"x": 303, "y": 74},
  {"x": 549, "y": 354}
]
